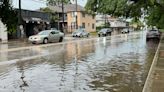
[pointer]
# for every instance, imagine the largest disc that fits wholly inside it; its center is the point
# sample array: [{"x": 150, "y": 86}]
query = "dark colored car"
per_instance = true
[
  {"x": 104, "y": 32},
  {"x": 153, "y": 34}
]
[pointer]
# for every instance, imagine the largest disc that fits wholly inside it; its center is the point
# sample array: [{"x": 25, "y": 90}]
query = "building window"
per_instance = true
[
  {"x": 93, "y": 17},
  {"x": 83, "y": 25},
  {"x": 83, "y": 14},
  {"x": 73, "y": 24},
  {"x": 73, "y": 14},
  {"x": 93, "y": 26}
]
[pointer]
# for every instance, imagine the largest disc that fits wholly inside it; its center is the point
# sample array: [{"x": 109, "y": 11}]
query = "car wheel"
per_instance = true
[
  {"x": 45, "y": 41},
  {"x": 61, "y": 39},
  {"x": 81, "y": 36},
  {"x": 33, "y": 43}
]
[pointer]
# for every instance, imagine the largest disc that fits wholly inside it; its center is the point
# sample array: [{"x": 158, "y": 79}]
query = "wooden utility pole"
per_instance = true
[
  {"x": 19, "y": 20},
  {"x": 62, "y": 16},
  {"x": 76, "y": 16},
  {"x": 20, "y": 13}
]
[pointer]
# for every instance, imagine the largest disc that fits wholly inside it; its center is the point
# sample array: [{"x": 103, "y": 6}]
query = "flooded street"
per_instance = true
[{"x": 113, "y": 64}]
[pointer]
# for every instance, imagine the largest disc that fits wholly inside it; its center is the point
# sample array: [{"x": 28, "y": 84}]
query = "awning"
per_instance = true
[{"x": 33, "y": 19}]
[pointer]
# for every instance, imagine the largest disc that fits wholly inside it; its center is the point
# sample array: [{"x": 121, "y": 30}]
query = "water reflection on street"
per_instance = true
[{"x": 103, "y": 65}]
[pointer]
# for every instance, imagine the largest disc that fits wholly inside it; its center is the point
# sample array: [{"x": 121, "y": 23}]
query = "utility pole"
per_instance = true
[
  {"x": 62, "y": 16},
  {"x": 19, "y": 19},
  {"x": 76, "y": 16},
  {"x": 105, "y": 20}
]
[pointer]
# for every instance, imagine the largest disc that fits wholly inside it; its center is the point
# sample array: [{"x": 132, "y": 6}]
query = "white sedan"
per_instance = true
[
  {"x": 47, "y": 36},
  {"x": 80, "y": 33}
]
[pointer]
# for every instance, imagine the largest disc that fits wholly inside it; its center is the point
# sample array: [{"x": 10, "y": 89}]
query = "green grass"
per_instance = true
[
  {"x": 162, "y": 30},
  {"x": 93, "y": 33}
]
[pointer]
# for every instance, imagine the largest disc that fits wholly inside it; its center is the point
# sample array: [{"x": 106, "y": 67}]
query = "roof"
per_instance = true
[
  {"x": 67, "y": 8},
  {"x": 31, "y": 15}
]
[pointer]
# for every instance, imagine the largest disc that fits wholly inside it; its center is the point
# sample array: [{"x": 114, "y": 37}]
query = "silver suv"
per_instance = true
[{"x": 151, "y": 34}]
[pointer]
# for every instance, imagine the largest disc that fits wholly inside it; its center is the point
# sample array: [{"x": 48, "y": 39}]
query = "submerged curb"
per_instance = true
[
  {"x": 54, "y": 44},
  {"x": 149, "y": 80}
]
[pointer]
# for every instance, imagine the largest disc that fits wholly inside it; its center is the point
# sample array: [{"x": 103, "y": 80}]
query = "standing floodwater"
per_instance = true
[{"x": 114, "y": 64}]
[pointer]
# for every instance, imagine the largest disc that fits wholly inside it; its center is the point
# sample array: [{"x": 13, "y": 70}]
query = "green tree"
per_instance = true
[
  {"x": 137, "y": 23},
  {"x": 53, "y": 16},
  {"x": 8, "y": 16},
  {"x": 124, "y": 8}
]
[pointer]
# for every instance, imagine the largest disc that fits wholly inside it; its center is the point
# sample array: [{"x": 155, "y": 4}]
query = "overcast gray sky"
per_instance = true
[{"x": 36, "y": 4}]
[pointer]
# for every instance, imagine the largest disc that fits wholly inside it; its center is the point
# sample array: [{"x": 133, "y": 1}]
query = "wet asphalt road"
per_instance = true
[{"x": 113, "y": 64}]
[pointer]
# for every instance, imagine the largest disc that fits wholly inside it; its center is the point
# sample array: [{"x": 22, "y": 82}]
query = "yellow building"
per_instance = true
[{"x": 84, "y": 20}]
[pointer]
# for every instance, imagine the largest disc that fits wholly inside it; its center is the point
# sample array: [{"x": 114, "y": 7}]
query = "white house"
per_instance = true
[
  {"x": 100, "y": 19},
  {"x": 114, "y": 22},
  {"x": 3, "y": 32}
]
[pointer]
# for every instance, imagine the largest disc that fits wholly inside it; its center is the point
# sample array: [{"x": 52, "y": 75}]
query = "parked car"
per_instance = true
[
  {"x": 80, "y": 33},
  {"x": 125, "y": 31},
  {"x": 47, "y": 36},
  {"x": 151, "y": 34},
  {"x": 104, "y": 32}
]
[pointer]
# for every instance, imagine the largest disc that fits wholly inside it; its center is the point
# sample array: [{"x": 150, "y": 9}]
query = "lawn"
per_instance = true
[
  {"x": 93, "y": 33},
  {"x": 162, "y": 30}
]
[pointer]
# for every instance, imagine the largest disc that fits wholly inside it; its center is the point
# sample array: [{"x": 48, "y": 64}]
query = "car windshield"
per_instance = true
[{"x": 43, "y": 33}]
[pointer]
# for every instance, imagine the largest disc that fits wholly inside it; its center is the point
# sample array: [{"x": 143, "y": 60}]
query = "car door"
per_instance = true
[
  {"x": 57, "y": 36},
  {"x": 108, "y": 32},
  {"x": 84, "y": 32},
  {"x": 52, "y": 36}
]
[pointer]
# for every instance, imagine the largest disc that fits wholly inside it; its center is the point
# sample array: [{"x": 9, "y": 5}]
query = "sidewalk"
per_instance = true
[
  {"x": 158, "y": 79},
  {"x": 155, "y": 78}
]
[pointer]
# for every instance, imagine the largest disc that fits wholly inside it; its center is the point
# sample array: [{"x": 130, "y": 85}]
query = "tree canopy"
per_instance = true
[
  {"x": 8, "y": 16},
  {"x": 53, "y": 15},
  {"x": 152, "y": 9}
]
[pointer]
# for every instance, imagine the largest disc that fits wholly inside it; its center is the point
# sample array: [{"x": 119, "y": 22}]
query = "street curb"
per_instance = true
[
  {"x": 16, "y": 40},
  {"x": 12, "y": 61},
  {"x": 54, "y": 44},
  {"x": 149, "y": 80}
]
